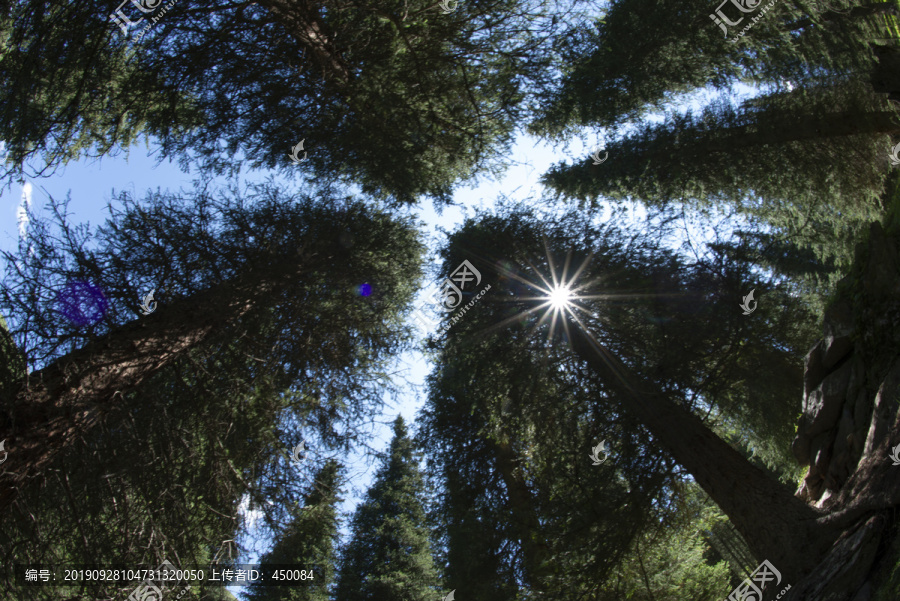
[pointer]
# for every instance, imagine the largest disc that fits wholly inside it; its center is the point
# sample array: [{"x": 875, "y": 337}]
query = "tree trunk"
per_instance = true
[
  {"x": 818, "y": 127},
  {"x": 885, "y": 78},
  {"x": 776, "y": 525},
  {"x": 304, "y": 23},
  {"x": 535, "y": 549},
  {"x": 59, "y": 402}
]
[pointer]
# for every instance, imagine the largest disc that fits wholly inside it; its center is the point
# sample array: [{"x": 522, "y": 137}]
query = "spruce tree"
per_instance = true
[
  {"x": 396, "y": 96},
  {"x": 645, "y": 53},
  {"x": 389, "y": 555},
  {"x": 805, "y": 168},
  {"x": 672, "y": 344},
  {"x": 227, "y": 264},
  {"x": 307, "y": 542}
]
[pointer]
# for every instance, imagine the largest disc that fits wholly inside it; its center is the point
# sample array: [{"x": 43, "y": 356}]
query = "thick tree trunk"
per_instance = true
[
  {"x": 535, "y": 549},
  {"x": 885, "y": 78},
  {"x": 776, "y": 525},
  {"x": 303, "y": 20},
  {"x": 818, "y": 127},
  {"x": 57, "y": 403}
]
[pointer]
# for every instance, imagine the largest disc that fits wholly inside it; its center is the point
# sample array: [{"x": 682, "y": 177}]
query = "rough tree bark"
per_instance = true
[
  {"x": 776, "y": 525},
  {"x": 57, "y": 403}
]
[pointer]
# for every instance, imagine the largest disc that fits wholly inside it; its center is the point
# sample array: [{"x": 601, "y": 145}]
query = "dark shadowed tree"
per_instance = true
[
  {"x": 287, "y": 270},
  {"x": 395, "y": 95},
  {"x": 160, "y": 477},
  {"x": 519, "y": 507},
  {"x": 475, "y": 545},
  {"x": 645, "y": 53},
  {"x": 807, "y": 167},
  {"x": 658, "y": 344},
  {"x": 669, "y": 560}
]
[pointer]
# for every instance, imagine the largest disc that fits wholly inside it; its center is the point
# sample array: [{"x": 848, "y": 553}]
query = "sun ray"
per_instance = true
[{"x": 560, "y": 301}]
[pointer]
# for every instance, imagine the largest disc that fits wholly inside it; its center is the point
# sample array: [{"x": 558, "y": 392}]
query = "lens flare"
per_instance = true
[
  {"x": 82, "y": 303},
  {"x": 560, "y": 297}
]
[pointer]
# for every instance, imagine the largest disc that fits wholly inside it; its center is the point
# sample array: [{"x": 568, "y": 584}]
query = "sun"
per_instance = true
[{"x": 560, "y": 297}]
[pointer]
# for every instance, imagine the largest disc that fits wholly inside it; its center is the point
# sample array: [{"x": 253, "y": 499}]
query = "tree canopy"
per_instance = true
[
  {"x": 394, "y": 96},
  {"x": 610, "y": 412},
  {"x": 506, "y": 374},
  {"x": 215, "y": 382},
  {"x": 643, "y": 54}
]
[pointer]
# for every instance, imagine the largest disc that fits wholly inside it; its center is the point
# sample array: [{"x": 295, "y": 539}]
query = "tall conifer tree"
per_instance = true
[
  {"x": 307, "y": 542},
  {"x": 807, "y": 166},
  {"x": 394, "y": 95},
  {"x": 286, "y": 269},
  {"x": 389, "y": 555},
  {"x": 644, "y": 53},
  {"x": 672, "y": 343}
]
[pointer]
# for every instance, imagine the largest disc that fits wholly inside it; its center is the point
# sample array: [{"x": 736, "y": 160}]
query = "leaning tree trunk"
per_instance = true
[
  {"x": 777, "y": 526},
  {"x": 814, "y": 127},
  {"x": 59, "y": 402},
  {"x": 303, "y": 21}
]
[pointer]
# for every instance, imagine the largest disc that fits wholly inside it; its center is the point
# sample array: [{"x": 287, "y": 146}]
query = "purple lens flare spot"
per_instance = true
[
  {"x": 365, "y": 290},
  {"x": 82, "y": 303}
]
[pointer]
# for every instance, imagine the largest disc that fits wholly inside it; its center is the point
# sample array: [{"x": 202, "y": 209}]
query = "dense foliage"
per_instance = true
[{"x": 757, "y": 161}]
